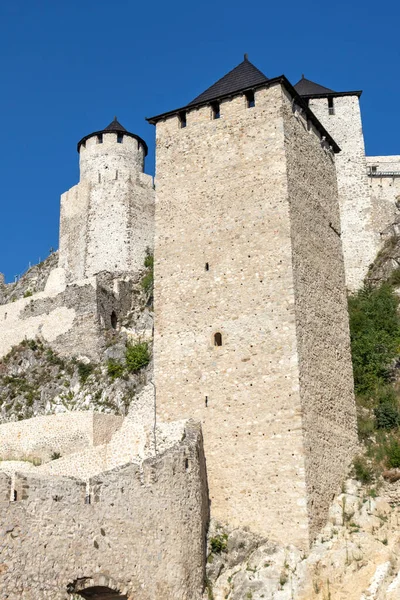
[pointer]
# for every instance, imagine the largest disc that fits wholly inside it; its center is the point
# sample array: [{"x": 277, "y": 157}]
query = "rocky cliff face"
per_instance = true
[
  {"x": 34, "y": 280},
  {"x": 356, "y": 556},
  {"x": 35, "y": 380}
]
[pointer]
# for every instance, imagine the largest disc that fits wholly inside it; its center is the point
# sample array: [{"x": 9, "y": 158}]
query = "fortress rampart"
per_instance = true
[
  {"x": 384, "y": 184},
  {"x": 142, "y": 534}
]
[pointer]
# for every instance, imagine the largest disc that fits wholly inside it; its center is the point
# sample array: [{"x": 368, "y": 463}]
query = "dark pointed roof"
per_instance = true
[
  {"x": 310, "y": 89},
  {"x": 114, "y": 127},
  {"x": 242, "y": 77},
  {"x": 306, "y": 87}
]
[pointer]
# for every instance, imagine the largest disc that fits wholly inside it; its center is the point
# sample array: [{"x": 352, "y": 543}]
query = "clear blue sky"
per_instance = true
[{"x": 68, "y": 66}]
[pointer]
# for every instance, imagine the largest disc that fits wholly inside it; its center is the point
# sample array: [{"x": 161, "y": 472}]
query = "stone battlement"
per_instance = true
[{"x": 139, "y": 522}]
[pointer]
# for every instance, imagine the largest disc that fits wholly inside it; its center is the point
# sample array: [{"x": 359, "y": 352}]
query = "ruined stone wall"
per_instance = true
[
  {"x": 107, "y": 220},
  {"x": 72, "y": 321},
  {"x": 359, "y": 237},
  {"x": 326, "y": 378},
  {"x": 143, "y": 534},
  {"x": 64, "y": 433},
  {"x": 384, "y": 185},
  {"x": 222, "y": 195}
]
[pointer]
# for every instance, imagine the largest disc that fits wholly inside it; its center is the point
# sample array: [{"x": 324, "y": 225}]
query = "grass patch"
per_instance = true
[
  {"x": 362, "y": 470},
  {"x": 219, "y": 543},
  {"x": 84, "y": 371},
  {"x": 114, "y": 369},
  {"x": 148, "y": 279}
]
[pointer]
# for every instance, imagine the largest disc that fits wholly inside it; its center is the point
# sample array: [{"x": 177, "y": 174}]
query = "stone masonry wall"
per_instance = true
[
  {"x": 222, "y": 195},
  {"x": 326, "y": 378},
  {"x": 143, "y": 534},
  {"x": 385, "y": 192},
  {"x": 64, "y": 433},
  {"x": 107, "y": 220},
  {"x": 359, "y": 236},
  {"x": 72, "y": 321}
]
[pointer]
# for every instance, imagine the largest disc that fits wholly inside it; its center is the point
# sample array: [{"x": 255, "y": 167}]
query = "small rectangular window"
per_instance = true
[
  {"x": 250, "y": 100},
  {"x": 120, "y": 137},
  {"x": 215, "y": 111},
  {"x": 182, "y": 119},
  {"x": 373, "y": 169},
  {"x": 331, "y": 108},
  {"x": 99, "y": 138}
]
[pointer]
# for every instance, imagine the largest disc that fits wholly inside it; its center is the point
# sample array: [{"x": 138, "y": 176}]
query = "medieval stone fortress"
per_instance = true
[{"x": 263, "y": 214}]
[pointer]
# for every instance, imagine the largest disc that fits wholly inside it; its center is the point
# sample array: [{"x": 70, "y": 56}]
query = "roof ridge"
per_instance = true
[
  {"x": 243, "y": 76},
  {"x": 115, "y": 125},
  {"x": 307, "y": 87}
]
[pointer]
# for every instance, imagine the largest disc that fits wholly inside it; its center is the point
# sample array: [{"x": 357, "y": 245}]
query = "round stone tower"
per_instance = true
[
  {"x": 112, "y": 153},
  {"x": 107, "y": 220}
]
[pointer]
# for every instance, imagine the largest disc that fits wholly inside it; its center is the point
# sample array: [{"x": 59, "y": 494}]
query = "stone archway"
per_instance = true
[
  {"x": 98, "y": 587},
  {"x": 100, "y": 592}
]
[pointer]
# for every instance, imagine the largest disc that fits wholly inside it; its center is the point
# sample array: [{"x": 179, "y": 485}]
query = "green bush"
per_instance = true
[
  {"x": 28, "y": 293},
  {"x": 149, "y": 261},
  {"x": 387, "y": 416},
  {"x": 394, "y": 278},
  {"x": 137, "y": 356},
  {"x": 147, "y": 283},
  {"x": 219, "y": 543},
  {"x": 387, "y": 413},
  {"x": 148, "y": 279},
  {"x": 393, "y": 454},
  {"x": 114, "y": 369},
  {"x": 362, "y": 470},
  {"x": 375, "y": 336},
  {"x": 84, "y": 371}
]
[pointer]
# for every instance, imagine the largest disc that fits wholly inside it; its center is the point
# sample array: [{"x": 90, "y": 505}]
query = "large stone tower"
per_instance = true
[
  {"x": 251, "y": 325},
  {"x": 106, "y": 220},
  {"x": 340, "y": 114}
]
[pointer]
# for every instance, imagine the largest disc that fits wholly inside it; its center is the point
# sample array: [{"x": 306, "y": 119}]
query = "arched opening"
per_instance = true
[
  {"x": 218, "y": 339},
  {"x": 100, "y": 592},
  {"x": 114, "y": 320}
]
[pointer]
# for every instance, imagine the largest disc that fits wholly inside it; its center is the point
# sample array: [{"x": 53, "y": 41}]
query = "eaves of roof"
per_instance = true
[
  {"x": 332, "y": 94},
  {"x": 114, "y": 127}
]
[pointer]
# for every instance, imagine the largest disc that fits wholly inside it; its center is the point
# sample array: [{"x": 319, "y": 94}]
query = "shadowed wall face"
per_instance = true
[
  {"x": 101, "y": 593},
  {"x": 360, "y": 234}
]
